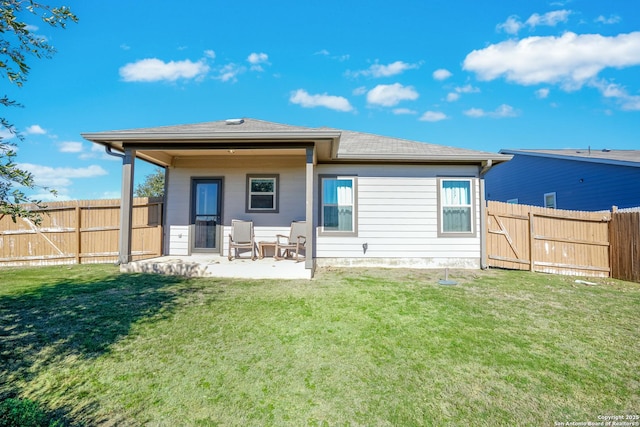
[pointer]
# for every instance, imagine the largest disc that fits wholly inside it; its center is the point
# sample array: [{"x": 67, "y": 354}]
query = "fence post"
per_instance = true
[
  {"x": 531, "y": 242},
  {"x": 78, "y": 234}
]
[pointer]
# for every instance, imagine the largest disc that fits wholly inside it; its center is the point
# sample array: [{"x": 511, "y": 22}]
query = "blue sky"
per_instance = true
[{"x": 463, "y": 73}]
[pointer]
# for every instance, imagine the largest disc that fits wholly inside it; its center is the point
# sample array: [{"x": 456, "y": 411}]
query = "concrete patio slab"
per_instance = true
[{"x": 213, "y": 265}]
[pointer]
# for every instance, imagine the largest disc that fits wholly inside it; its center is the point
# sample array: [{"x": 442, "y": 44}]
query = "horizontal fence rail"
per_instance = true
[{"x": 79, "y": 232}]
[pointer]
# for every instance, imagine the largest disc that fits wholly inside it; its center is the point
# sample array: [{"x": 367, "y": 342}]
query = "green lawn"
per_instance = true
[{"x": 358, "y": 347}]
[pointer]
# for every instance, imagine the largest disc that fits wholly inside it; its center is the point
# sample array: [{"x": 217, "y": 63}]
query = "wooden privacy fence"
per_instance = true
[
  {"x": 548, "y": 240},
  {"x": 78, "y": 232},
  {"x": 625, "y": 244}
]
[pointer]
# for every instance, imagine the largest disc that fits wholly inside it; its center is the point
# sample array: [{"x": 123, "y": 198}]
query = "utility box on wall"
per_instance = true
[{"x": 179, "y": 240}]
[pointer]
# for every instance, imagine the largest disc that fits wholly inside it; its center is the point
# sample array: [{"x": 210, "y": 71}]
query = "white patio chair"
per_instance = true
[
  {"x": 294, "y": 243},
  {"x": 241, "y": 237}
]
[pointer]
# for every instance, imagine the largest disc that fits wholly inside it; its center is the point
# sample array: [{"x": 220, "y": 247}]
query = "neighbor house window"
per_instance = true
[
  {"x": 512, "y": 201},
  {"x": 338, "y": 204},
  {"x": 262, "y": 193},
  {"x": 455, "y": 207},
  {"x": 550, "y": 200}
]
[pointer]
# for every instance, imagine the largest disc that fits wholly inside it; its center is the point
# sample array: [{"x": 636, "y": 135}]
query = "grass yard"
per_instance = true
[{"x": 358, "y": 347}]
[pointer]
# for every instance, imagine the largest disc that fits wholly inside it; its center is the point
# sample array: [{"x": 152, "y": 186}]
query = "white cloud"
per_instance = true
[
  {"x": 453, "y": 96},
  {"x": 441, "y": 74},
  {"x": 70, "y": 147},
  {"x": 210, "y": 54},
  {"x": 433, "y": 116},
  {"x": 395, "y": 68},
  {"x": 60, "y": 177},
  {"x": 303, "y": 98},
  {"x": 626, "y": 101},
  {"x": 550, "y": 19},
  {"x": 513, "y": 24},
  {"x": 569, "y": 60},
  {"x": 154, "y": 70},
  {"x": 542, "y": 93},
  {"x": 230, "y": 72},
  {"x": 467, "y": 89},
  {"x": 323, "y": 52},
  {"x": 401, "y": 111},
  {"x": 258, "y": 58},
  {"x": 359, "y": 91},
  {"x": 613, "y": 19},
  {"x": 391, "y": 95},
  {"x": 5, "y": 134},
  {"x": 502, "y": 111},
  {"x": 35, "y": 130}
]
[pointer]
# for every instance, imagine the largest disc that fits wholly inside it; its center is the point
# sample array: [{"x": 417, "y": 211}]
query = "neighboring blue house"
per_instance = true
[{"x": 583, "y": 179}]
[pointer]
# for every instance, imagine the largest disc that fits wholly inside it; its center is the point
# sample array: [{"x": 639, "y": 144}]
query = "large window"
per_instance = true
[
  {"x": 338, "y": 204},
  {"x": 456, "y": 207},
  {"x": 262, "y": 193}
]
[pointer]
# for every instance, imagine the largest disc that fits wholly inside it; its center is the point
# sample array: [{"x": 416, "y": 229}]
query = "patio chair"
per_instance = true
[
  {"x": 241, "y": 237},
  {"x": 293, "y": 243}
]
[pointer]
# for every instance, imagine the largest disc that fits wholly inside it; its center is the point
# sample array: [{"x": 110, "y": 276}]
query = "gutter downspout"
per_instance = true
[
  {"x": 126, "y": 203},
  {"x": 484, "y": 168},
  {"x": 107, "y": 149}
]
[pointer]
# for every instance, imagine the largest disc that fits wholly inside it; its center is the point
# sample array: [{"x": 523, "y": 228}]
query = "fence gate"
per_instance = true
[{"x": 547, "y": 240}]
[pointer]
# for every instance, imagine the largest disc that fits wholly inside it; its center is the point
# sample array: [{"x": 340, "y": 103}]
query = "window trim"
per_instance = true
[
  {"x": 321, "y": 230},
  {"x": 472, "y": 189},
  {"x": 276, "y": 195},
  {"x": 555, "y": 200}
]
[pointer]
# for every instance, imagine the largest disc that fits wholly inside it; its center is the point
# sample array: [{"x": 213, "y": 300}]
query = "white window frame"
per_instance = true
[
  {"x": 353, "y": 204},
  {"x": 275, "y": 194},
  {"x": 553, "y": 205},
  {"x": 471, "y": 205}
]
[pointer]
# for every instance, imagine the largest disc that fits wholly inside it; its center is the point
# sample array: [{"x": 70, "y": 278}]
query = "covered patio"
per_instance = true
[{"x": 215, "y": 265}]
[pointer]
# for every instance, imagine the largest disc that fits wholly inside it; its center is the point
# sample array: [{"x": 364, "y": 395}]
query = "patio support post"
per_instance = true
[
  {"x": 126, "y": 206},
  {"x": 310, "y": 243}
]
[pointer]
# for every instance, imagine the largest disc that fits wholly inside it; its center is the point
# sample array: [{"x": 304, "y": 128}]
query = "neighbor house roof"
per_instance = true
[
  {"x": 334, "y": 145},
  {"x": 606, "y": 156}
]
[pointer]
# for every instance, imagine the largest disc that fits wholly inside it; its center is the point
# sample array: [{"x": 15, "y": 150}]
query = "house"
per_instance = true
[
  {"x": 367, "y": 200},
  {"x": 585, "y": 179}
]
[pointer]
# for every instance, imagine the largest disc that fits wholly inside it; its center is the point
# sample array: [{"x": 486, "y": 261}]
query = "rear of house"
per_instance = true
[{"x": 367, "y": 200}]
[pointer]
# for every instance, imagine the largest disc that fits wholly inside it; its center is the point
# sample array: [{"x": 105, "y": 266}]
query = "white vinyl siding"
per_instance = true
[
  {"x": 398, "y": 219},
  {"x": 291, "y": 203}
]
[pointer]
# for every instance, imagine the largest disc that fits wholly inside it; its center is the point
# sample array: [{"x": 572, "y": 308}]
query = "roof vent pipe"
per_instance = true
[{"x": 234, "y": 121}]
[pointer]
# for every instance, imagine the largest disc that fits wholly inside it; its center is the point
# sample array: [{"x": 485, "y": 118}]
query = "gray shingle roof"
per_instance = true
[{"x": 352, "y": 145}]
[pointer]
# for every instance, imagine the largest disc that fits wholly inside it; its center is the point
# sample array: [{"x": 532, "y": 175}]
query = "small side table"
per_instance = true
[{"x": 263, "y": 245}]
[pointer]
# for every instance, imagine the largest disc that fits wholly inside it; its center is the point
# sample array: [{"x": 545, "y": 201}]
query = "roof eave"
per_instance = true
[
  {"x": 427, "y": 159},
  {"x": 117, "y": 136}
]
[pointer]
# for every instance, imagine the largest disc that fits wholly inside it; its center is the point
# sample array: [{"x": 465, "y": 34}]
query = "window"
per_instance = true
[
  {"x": 262, "y": 193},
  {"x": 550, "y": 200},
  {"x": 456, "y": 207},
  {"x": 512, "y": 201},
  {"x": 338, "y": 206}
]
